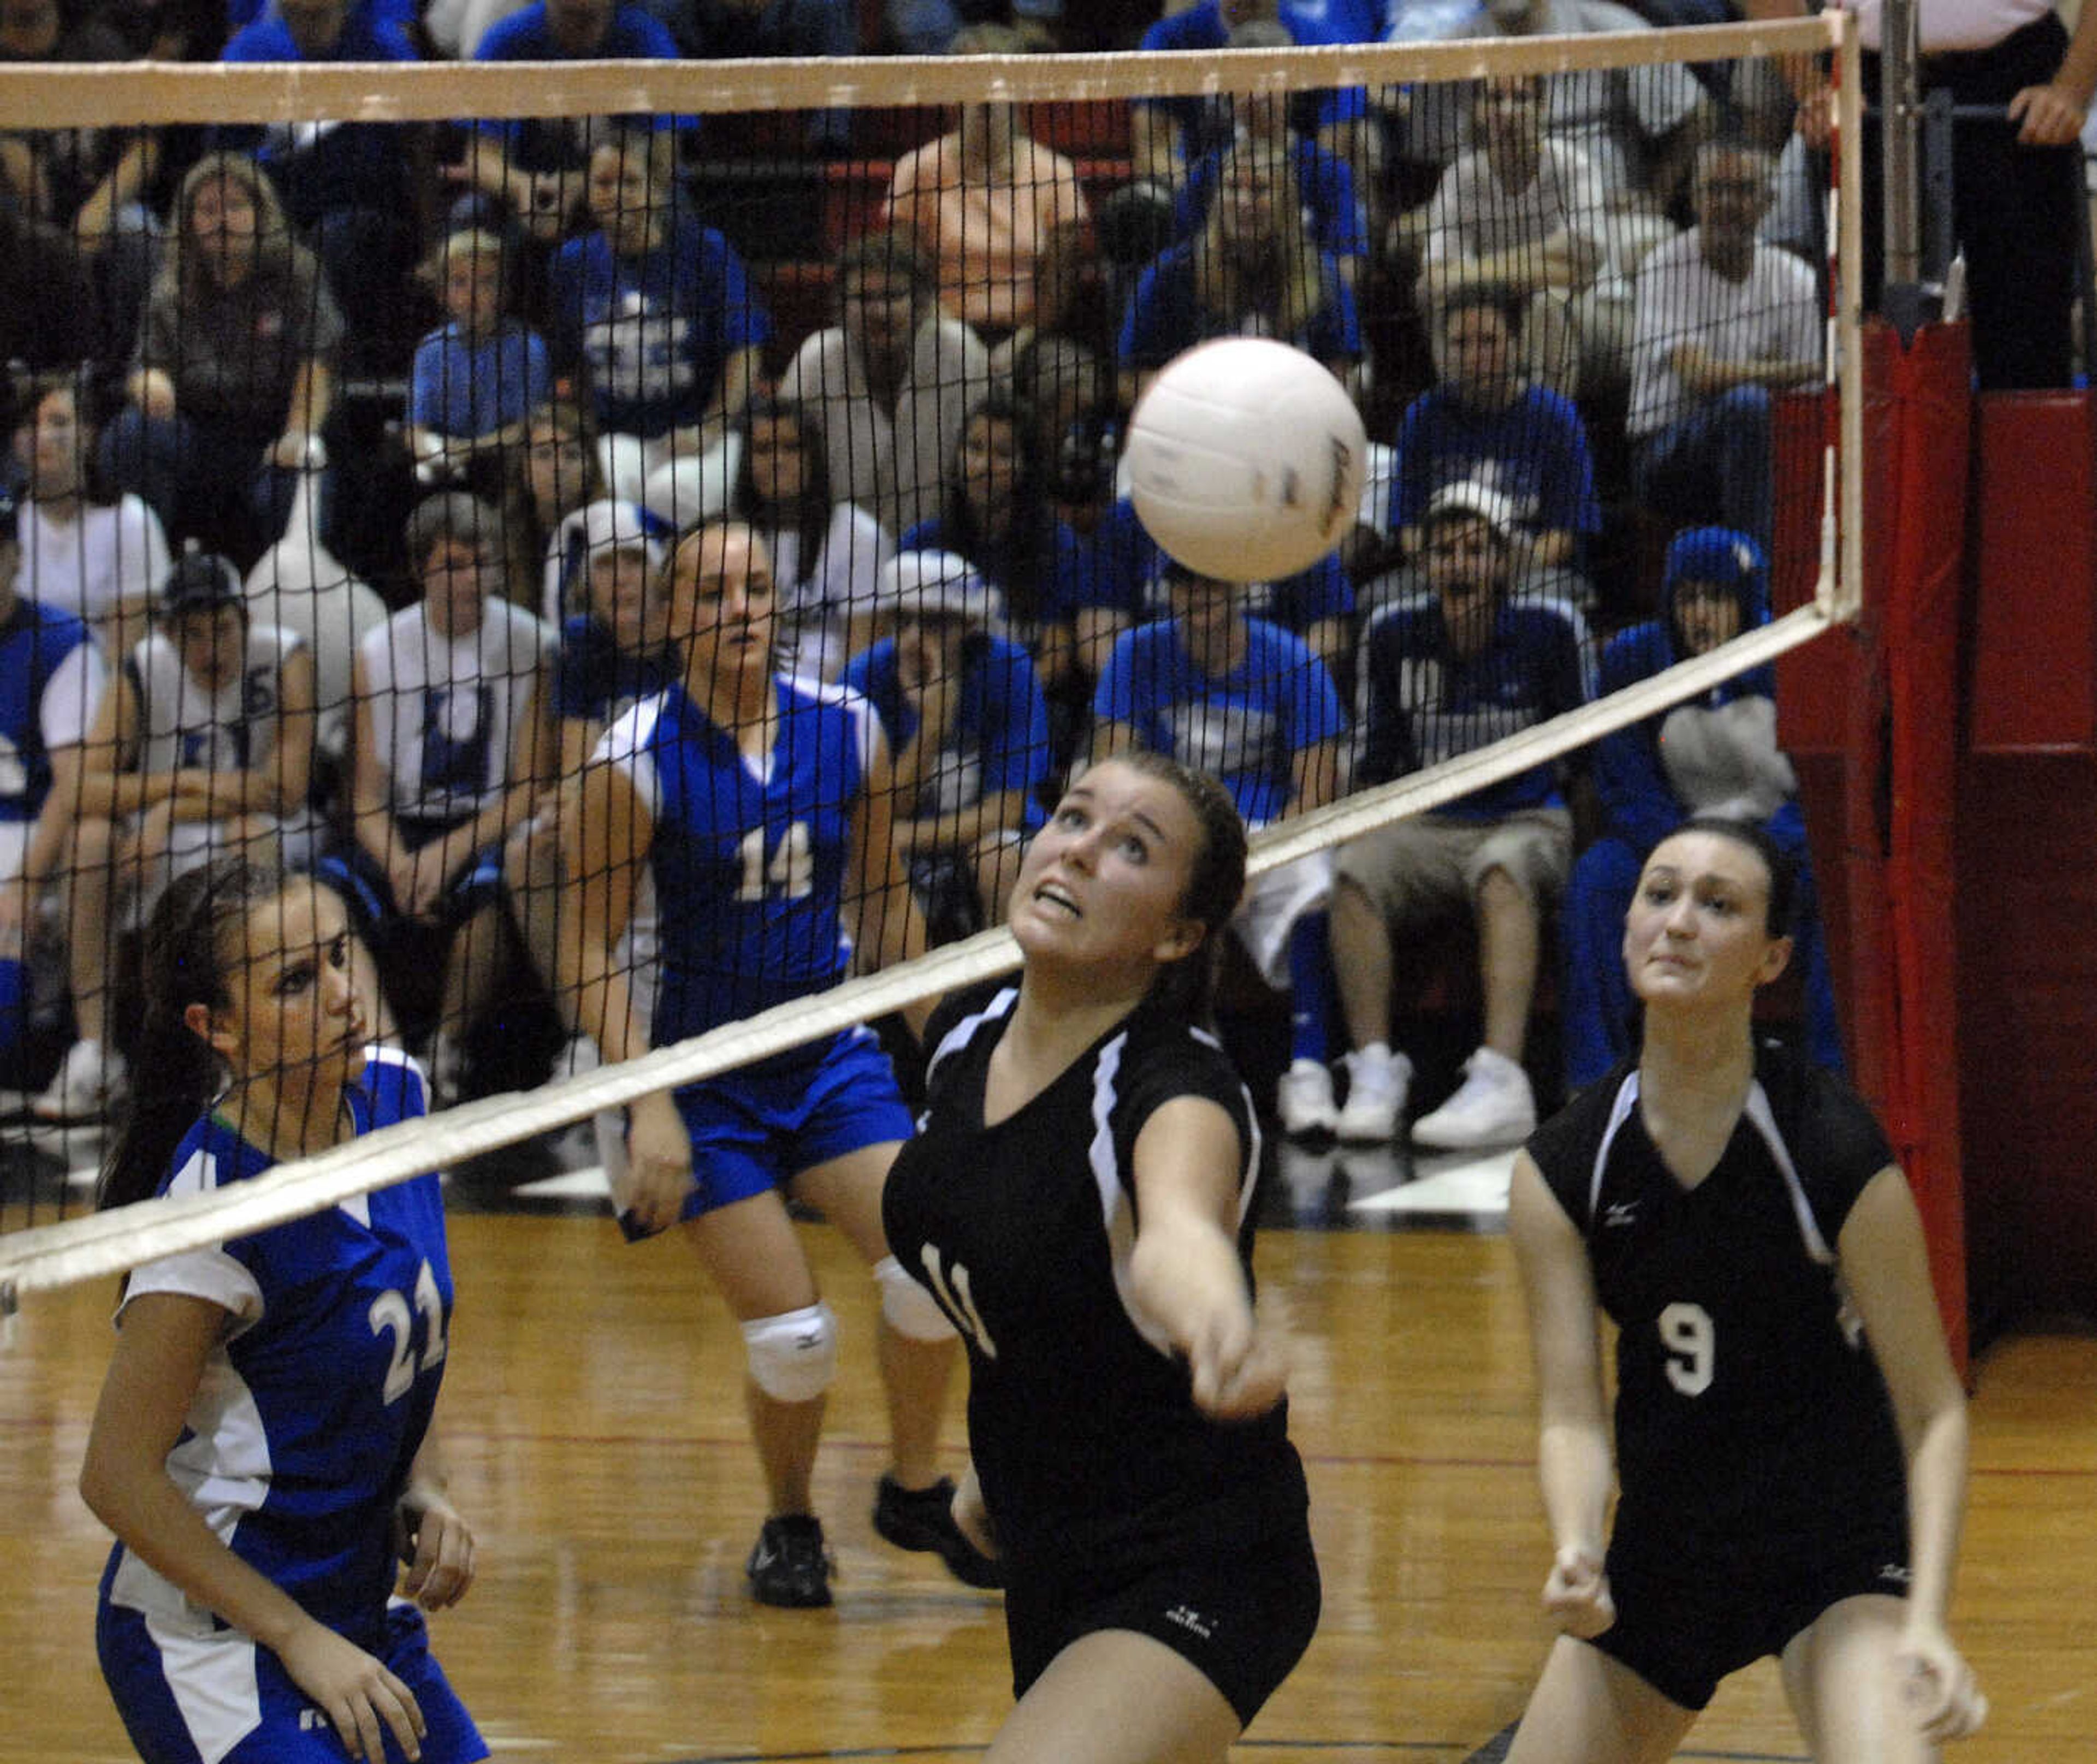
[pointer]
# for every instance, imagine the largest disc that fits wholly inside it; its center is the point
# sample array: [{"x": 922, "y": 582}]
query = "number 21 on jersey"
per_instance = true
[{"x": 390, "y": 1316}]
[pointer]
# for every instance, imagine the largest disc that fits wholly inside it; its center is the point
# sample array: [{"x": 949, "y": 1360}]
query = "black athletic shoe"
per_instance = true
[
  {"x": 789, "y": 1565},
  {"x": 923, "y": 1519}
]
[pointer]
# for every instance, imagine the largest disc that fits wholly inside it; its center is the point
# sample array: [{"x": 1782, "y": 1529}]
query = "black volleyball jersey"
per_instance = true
[
  {"x": 1083, "y": 1426},
  {"x": 1750, "y": 1412}
]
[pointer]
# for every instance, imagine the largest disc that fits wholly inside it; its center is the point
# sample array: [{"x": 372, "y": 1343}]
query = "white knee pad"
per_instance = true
[
  {"x": 908, "y": 1307},
  {"x": 792, "y": 1357}
]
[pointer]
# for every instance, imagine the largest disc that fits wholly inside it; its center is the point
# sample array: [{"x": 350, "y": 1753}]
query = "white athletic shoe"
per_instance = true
[
  {"x": 89, "y": 1081},
  {"x": 1304, "y": 1099},
  {"x": 1493, "y": 1106},
  {"x": 1378, "y": 1082}
]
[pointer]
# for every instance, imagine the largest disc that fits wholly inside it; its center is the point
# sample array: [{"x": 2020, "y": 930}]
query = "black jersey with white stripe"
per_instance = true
[
  {"x": 1084, "y": 1429},
  {"x": 1750, "y": 1410}
]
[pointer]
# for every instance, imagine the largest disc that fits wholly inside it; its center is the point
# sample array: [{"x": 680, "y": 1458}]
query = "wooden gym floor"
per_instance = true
[{"x": 598, "y": 1447}]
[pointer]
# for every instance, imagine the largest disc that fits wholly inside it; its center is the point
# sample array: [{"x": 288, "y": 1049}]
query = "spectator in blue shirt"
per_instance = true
[
  {"x": 1232, "y": 695},
  {"x": 1485, "y": 424},
  {"x": 1715, "y": 754},
  {"x": 962, "y": 709},
  {"x": 1333, "y": 214},
  {"x": 1441, "y": 677},
  {"x": 1251, "y": 271},
  {"x": 1168, "y": 134},
  {"x": 1129, "y": 572},
  {"x": 658, "y": 310},
  {"x": 535, "y": 169},
  {"x": 481, "y": 374},
  {"x": 345, "y": 186}
]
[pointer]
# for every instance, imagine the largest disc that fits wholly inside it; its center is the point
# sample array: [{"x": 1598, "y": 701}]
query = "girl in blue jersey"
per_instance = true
[
  {"x": 1079, "y": 1200},
  {"x": 758, "y": 806},
  {"x": 1790, "y": 1433},
  {"x": 263, "y": 1448}
]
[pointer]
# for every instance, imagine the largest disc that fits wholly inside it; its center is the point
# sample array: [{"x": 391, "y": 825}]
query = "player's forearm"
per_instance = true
[
  {"x": 156, "y": 1523},
  {"x": 1936, "y": 1509},
  {"x": 1575, "y": 1471},
  {"x": 1183, "y": 1276}
]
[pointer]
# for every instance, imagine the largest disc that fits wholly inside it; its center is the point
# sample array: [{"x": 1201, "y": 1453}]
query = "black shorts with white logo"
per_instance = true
[
  {"x": 1683, "y": 1624},
  {"x": 1241, "y": 1616}
]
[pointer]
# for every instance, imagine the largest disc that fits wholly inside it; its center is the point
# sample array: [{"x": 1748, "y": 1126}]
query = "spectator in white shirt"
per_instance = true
[
  {"x": 99, "y": 561},
  {"x": 1722, "y": 322}
]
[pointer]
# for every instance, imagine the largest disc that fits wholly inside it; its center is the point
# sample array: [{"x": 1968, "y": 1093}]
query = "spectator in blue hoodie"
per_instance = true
[
  {"x": 1443, "y": 676},
  {"x": 1715, "y": 754}
]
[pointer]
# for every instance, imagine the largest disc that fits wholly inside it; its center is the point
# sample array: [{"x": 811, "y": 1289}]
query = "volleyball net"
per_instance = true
[{"x": 447, "y": 361}]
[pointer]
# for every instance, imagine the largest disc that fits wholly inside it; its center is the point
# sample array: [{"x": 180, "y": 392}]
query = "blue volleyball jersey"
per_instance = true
[
  {"x": 52, "y": 676},
  {"x": 301, "y": 1437},
  {"x": 748, "y": 864}
]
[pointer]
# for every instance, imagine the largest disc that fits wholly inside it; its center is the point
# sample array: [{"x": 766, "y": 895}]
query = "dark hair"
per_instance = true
[
  {"x": 1184, "y": 988},
  {"x": 1783, "y": 869},
  {"x": 449, "y": 515},
  {"x": 1500, "y": 297},
  {"x": 184, "y": 962},
  {"x": 1021, "y": 560},
  {"x": 810, "y": 513},
  {"x": 889, "y": 252}
]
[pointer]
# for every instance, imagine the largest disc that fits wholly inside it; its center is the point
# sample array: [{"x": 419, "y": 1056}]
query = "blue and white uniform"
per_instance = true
[
  {"x": 297, "y": 1449},
  {"x": 748, "y": 862}
]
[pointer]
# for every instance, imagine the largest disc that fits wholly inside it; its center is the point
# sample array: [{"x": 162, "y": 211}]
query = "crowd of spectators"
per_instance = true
[{"x": 467, "y": 362}]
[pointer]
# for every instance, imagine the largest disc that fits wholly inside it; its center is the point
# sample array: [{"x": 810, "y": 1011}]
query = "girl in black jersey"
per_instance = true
[
  {"x": 1078, "y": 1200},
  {"x": 1790, "y": 1434}
]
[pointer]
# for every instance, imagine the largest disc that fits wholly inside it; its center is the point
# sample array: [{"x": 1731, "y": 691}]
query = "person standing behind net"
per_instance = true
[
  {"x": 758, "y": 806},
  {"x": 1079, "y": 1203},
  {"x": 264, "y": 1447},
  {"x": 1790, "y": 1435}
]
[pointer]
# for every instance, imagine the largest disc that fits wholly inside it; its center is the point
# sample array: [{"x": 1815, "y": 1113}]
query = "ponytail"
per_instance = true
[{"x": 177, "y": 1075}]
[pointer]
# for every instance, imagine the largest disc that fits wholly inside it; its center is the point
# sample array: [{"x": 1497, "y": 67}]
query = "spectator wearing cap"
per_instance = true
[
  {"x": 964, "y": 714},
  {"x": 1440, "y": 677},
  {"x": 480, "y": 375},
  {"x": 51, "y": 681},
  {"x": 609, "y": 657},
  {"x": 1486, "y": 423},
  {"x": 99, "y": 561},
  {"x": 1224, "y": 692},
  {"x": 1715, "y": 754},
  {"x": 827, "y": 553},
  {"x": 451, "y": 747}
]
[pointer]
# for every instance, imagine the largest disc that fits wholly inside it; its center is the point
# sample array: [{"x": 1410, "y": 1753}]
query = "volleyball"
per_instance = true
[{"x": 1245, "y": 459}]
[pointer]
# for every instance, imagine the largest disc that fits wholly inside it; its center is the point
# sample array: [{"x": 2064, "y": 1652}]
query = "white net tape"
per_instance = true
[{"x": 107, "y": 1243}]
